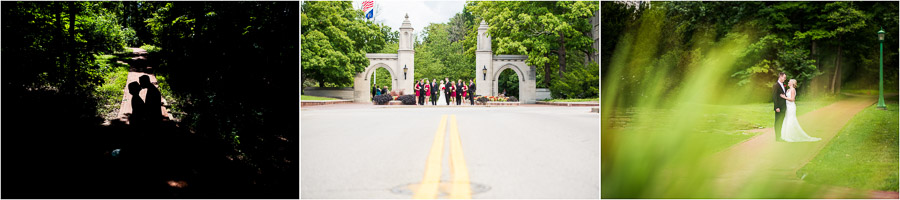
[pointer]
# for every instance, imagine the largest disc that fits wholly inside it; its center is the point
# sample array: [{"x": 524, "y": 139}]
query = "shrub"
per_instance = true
[
  {"x": 482, "y": 99},
  {"x": 513, "y": 99},
  {"x": 382, "y": 99},
  {"x": 407, "y": 99},
  {"x": 151, "y": 48}
]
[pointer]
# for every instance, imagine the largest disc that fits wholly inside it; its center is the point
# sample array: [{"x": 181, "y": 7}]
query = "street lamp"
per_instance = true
[
  {"x": 484, "y": 72},
  {"x": 881, "y": 70},
  {"x": 404, "y": 72}
]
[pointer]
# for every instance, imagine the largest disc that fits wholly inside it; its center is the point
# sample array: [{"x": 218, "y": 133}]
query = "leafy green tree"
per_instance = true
[
  {"x": 542, "y": 30},
  {"x": 437, "y": 57},
  {"x": 335, "y": 39},
  {"x": 509, "y": 82}
]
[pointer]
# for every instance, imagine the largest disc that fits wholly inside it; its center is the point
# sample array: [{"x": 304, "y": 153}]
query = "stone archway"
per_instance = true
[
  {"x": 527, "y": 91},
  {"x": 401, "y": 66},
  {"x": 488, "y": 65},
  {"x": 364, "y": 94}
]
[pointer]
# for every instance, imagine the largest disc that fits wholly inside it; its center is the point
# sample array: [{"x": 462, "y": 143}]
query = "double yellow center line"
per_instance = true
[{"x": 460, "y": 186}]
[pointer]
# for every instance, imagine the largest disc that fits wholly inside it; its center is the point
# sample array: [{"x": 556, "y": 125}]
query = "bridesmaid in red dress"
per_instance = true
[
  {"x": 453, "y": 92},
  {"x": 465, "y": 88},
  {"x": 427, "y": 92}
]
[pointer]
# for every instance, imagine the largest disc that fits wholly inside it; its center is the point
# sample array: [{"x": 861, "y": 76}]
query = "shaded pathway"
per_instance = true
[{"x": 761, "y": 158}]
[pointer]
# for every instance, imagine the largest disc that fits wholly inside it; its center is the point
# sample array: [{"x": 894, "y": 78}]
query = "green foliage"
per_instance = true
[
  {"x": 55, "y": 43},
  {"x": 509, "y": 82},
  {"x": 110, "y": 92},
  {"x": 802, "y": 39},
  {"x": 150, "y": 48},
  {"x": 863, "y": 155},
  {"x": 335, "y": 40},
  {"x": 580, "y": 82},
  {"x": 382, "y": 78},
  {"x": 225, "y": 63},
  {"x": 438, "y": 57},
  {"x": 545, "y": 31}
]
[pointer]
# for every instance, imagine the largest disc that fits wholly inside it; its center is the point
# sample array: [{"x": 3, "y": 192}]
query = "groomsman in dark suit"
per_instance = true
[
  {"x": 447, "y": 87},
  {"x": 459, "y": 91},
  {"x": 471, "y": 91}
]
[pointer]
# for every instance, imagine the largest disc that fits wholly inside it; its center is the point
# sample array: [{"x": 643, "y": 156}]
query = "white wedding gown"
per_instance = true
[
  {"x": 790, "y": 128},
  {"x": 442, "y": 100}
]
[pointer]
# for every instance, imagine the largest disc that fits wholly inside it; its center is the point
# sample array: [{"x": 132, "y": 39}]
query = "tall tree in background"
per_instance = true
[
  {"x": 335, "y": 39},
  {"x": 545, "y": 31}
]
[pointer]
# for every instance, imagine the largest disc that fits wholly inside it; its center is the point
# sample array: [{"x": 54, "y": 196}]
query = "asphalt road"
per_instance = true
[{"x": 365, "y": 151}]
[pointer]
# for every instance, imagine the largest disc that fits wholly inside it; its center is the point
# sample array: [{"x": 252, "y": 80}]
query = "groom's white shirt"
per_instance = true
[{"x": 782, "y": 87}]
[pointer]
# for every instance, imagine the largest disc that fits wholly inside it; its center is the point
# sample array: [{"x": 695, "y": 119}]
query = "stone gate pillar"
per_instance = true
[
  {"x": 483, "y": 60},
  {"x": 406, "y": 58}
]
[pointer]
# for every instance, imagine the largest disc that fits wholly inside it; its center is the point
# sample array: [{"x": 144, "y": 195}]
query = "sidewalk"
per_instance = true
[{"x": 761, "y": 158}]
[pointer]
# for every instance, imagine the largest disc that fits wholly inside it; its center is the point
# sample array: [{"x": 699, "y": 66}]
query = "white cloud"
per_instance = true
[{"x": 421, "y": 13}]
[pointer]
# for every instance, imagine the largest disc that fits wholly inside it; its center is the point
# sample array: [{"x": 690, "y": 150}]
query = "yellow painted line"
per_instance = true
[
  {"x": 428, "y": 188},
  {"x": 458, "y": 170}
]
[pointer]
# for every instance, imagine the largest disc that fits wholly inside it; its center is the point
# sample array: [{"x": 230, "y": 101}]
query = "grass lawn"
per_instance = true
[
  {"x": 573, "y": 100},
  {"x": 115, "y": 76},
  {"x": 307, "y": 97},
  {"x": 722, "y": 125},
  {"x": 863, "y": 155}
]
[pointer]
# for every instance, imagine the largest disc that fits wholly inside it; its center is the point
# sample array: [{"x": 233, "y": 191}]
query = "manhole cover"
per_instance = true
[{"x": 443, "y": 189}]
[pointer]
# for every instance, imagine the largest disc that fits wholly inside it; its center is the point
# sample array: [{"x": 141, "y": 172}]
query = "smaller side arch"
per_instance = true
[
  {"x": 363, "y": 85},
  {"x": 496, "y": 77}
]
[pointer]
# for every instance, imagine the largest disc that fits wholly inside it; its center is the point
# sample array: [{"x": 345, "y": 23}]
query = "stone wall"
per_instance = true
[
  {"x": 340, "y": 93},
  {"x": 542, "y": 93}
]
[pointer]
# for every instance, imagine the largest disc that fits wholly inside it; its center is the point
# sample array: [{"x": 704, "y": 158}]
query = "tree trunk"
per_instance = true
[
  {"x": 71, "y": 41},
  {"x": 58, "y": 40},
  {"x": 561, "y": 53},
  {"x": 547, "y": 75},
  {"x": 835, "y": 80}
]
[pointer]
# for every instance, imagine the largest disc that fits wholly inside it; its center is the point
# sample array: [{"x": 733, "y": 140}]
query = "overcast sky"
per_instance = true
[{"x": 421, "y": 13}]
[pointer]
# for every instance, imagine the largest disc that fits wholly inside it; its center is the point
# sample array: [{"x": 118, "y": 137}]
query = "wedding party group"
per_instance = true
[{"x": 445, "y": 93}]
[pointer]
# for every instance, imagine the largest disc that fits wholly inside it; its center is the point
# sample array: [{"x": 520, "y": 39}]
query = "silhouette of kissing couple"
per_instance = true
[{"x": 147, "y": 110}]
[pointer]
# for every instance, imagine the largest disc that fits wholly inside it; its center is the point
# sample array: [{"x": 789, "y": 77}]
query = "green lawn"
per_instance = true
[
  {"x": 307, "y": 97},
  {"x": 110, "y": 93},
  {"x": 863, "y": 155},
  {"x": 721, "y": 125},
  {"x": 572, "y": 100}
]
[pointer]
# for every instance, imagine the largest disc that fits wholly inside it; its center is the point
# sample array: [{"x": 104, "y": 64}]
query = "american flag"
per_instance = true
[
  {"x": 367, "y": 8},
  {"x": 367, "y": 5}
]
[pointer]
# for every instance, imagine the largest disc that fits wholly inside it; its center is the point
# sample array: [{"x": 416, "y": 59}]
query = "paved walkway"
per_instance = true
[
  {"x": 138, "y": 69},
  {"x": 763, "y": 159}
]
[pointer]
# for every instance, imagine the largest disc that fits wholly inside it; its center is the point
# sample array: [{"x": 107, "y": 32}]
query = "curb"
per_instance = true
[
  {"x": 322, "y": 102},
  {"x": 590, "y": 103}
]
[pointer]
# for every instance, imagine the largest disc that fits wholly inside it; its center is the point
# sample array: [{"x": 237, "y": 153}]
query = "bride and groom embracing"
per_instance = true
[{"x": 787, "y": 128}]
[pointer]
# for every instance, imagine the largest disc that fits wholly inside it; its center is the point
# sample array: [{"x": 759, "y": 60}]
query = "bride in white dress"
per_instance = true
[
  {"x": 442, "y": 100},
  {"x": 790, "y": 129}
]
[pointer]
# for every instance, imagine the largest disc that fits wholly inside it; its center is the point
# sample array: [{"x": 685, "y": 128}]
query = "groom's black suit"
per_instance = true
[
  {"x": 777, "y": 91},
  {"x": 447, "y": 88}
]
